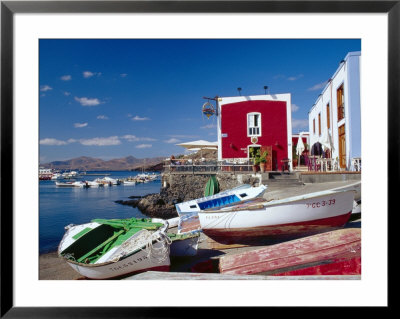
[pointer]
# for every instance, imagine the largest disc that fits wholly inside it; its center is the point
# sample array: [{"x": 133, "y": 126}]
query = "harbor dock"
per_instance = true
[{"x": 205, "y": 264}]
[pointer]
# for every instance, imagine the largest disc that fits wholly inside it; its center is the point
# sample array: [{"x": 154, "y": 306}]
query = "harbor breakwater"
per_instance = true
[{"x": 178, "y": 187}]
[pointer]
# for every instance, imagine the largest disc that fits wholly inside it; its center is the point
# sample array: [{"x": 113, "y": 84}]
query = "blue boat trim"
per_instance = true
[{"x": 215, "y": 202}]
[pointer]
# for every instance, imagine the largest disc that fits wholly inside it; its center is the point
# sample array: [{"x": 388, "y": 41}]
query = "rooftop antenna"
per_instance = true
[{"x": 239, "y": 89}]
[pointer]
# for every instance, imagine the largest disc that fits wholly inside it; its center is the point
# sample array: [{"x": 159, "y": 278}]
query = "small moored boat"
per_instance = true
[
  {"x": 257, "y": 218},
  {"x": 80, "y": 184},
  {"x": 129, "y": 183},
  {"x": 104, "y": 249},
  {"x": 230, "y": 196}
]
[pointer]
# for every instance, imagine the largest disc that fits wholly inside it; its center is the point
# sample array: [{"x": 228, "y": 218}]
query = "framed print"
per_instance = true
[{"x": 68, "y": 48}]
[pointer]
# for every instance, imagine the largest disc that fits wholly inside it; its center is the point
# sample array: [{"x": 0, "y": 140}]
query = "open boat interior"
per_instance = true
[{"x": 91, "y": 244}]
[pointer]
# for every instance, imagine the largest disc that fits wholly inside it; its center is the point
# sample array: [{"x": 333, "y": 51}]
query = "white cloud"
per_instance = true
[
  {"x": 133, "y": 138},
  {"x": 183, "y": 136},
  {"x": 318, "y": 86},
  {"x": 102, "y": 117},
  {"x": 101, "y": 141},
  {"x": 294, "y": 78},
  {"x": 143, "y": 146},
  {"x": 52, "y": 141},
  {"x": 45, "y": 88},
  {"x": 67, "y": 93},
  {"x": 123, "y": 75},
  {"x": 84, "y": 101},
  {"x": 138, "y": 118},
  {"x": 66, "y": 77},
  {"x": 78, "y": 125},
  {"x": 209, "y": 126},
  {"x": 172, "y": 141},
  {"x": 130, "y": 138},
  {"x": 89, "y": 74},
  {"x": 299, "y": 124},
  {"x": 295, "y": 107}
]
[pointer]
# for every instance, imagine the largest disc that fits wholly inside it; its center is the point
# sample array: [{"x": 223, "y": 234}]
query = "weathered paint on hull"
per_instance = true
[
  {"x": 338, "y": 268},
  {"x": 232, "y": 235},
  {"x": 158, "y": 268},
  {"x": 137, "y": 262},
  {"x": 185, "y": 247},
  {"x": 189, "y": 223},
  {"x": 331, "y": 247}
]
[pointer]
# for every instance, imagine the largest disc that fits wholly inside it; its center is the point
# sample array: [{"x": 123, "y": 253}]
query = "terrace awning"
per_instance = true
[{"x": 199, "y": 145}]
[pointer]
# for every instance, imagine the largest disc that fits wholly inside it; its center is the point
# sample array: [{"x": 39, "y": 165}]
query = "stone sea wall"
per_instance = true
[{"x": 177, "y": 188}]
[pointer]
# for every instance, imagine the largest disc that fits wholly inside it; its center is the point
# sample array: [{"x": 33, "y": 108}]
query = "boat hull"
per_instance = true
[
  {"x": 313, "y": 213},
  {"x": 140, "y": 252},
  {"x": 330, "y": 253},
  {"x": 140, "y": 261},
  {"x": 185, "y": 247},
  {"x": 236, "y": 194}
]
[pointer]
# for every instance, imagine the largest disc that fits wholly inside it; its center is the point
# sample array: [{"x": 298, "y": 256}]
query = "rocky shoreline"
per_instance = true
[
  {"x": 179, "y": 188},
  {"x": 152, "y": 205}
]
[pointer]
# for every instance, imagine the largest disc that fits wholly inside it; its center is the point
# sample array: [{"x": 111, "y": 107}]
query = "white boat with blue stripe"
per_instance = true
[{"x": 230, "y": 196}]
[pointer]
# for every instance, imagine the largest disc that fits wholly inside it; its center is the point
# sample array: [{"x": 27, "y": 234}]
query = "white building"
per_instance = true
[{"x": 335, "y": 118}]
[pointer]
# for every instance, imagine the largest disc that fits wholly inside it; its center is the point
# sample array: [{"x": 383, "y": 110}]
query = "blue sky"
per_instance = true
[{"x": 115, "y": 98}]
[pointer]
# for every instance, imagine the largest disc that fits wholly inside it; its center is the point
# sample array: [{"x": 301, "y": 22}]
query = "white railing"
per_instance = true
[{"x": 198, "y": 166}]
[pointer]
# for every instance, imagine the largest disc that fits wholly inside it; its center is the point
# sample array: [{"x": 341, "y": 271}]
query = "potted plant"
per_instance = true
[
  {"x": 295, "y": 157},
  {"x": 263, "y": 160},
  {"x": 255, "y": 155}
]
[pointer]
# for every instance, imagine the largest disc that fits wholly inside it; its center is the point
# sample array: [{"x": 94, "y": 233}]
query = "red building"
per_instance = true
[{"x": 248, "y": 123}]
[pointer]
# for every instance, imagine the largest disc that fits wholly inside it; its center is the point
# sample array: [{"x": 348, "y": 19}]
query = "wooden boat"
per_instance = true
[
  {"x": 93, "y": 184},
  {"x": 184, "y": 244},
  {"x": 129, "y": 183},
  {"x": 357, "y": 196},
  {"x": 257, "y": 218},
  {"x": 104, "y": 249},
  {"x": 336, "y": 252},
  {"x": 233, "y": 195},
  {"x": 45, "y": 174},
  {"x": 339, "y": 267},
  {"x": 71, "y": 184},
  {"x": 56, "y": 176},
  {"x": 184, "y": 241},
  {"x": 107, "y": 181}
]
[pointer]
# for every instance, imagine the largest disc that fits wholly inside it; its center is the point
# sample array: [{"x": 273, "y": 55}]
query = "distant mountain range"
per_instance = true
[{"x": 85, "y": 163}]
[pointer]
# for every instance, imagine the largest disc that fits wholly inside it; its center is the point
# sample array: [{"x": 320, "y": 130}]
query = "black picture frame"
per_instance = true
[{"x": 9, "y": 8}]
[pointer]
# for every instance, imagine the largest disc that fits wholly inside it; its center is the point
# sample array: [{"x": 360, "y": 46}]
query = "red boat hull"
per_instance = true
[{"x": 240, "y": 235}]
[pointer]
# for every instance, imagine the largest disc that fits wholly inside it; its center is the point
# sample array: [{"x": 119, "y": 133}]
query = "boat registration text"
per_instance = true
[{"x": 323, "y": 203}]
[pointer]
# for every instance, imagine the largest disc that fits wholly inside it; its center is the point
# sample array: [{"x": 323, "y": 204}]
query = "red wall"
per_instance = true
[{"x": 273, "y": 128}]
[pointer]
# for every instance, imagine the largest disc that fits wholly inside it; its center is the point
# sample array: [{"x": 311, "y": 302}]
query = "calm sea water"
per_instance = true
[{"x": 61, "y": 206}]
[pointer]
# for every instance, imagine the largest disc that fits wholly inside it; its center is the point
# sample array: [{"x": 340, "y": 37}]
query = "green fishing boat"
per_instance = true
[{"x": 108, "y": 248}]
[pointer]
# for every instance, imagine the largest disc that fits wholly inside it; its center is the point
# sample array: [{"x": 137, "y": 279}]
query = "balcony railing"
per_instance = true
[{"x": 198, "y": 166}]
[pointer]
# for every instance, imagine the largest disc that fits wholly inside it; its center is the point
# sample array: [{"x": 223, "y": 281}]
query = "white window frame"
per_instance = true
[{"x": 253, "y": 127}]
